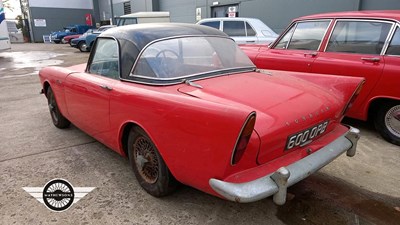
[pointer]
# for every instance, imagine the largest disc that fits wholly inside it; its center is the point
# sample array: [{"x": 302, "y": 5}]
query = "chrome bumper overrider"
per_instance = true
[{"x": 276, "y": 183}]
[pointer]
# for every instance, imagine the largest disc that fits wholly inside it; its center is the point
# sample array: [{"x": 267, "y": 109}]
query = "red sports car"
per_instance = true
[
  {"x": 67, "y": 39},
  {"x": 186, "y": 105},
  {"x": 362, "y": 44}
]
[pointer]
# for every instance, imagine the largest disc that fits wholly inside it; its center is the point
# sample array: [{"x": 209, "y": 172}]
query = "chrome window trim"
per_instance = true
[
  {"x": 245, "y": 27},
  {"x": 390, "y": 37},
  {"x": 194, "y": 77},
  {"x": 87, "y": 70},
  {"x": 362, "y": 20},
  {"x": 296, "y": 24}
]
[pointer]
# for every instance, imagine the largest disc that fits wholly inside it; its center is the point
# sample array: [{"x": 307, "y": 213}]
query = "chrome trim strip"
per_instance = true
[
  {"x": 194, "y": 78},
  {"x": 390, "y": 38},
  {"x": 191, "y": 75},
  {"x": 275, "y": 184}
]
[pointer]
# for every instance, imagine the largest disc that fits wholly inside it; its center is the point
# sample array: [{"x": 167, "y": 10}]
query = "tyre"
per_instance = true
[
  {"x": 58, "y": 119},
  {"x": 150, "y": 169},
  {"x": 387, "y": 122},
  {"x": 82, "y": 46}
]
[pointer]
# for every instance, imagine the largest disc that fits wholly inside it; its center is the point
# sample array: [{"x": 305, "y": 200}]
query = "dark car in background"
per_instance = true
[
  {"x": 84, "y": 43},
  {"x": 57, "y": 36},
  {"x": 360, "y": 44}
]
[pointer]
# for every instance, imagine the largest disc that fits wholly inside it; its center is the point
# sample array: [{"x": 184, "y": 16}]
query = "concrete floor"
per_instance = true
[{"x": 364, "y": 189}]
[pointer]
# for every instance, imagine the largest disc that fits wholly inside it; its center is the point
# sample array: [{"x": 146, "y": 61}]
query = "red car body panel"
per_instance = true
[
  {"x": 196, "y": 125},
  {"x": 381, "y": 81},
  {"x": 104, "y": 114}
]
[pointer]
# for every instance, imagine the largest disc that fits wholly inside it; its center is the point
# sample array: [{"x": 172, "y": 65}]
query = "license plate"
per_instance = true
[{"x": 306, "y": 136}]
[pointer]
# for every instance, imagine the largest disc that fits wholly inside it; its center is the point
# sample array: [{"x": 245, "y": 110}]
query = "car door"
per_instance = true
[
  {"x": 88, "y": 94},
  {"x": 296, "y": 49},
  {"x": 389, "y": 84},
  {"x": 355, "y": 49}
]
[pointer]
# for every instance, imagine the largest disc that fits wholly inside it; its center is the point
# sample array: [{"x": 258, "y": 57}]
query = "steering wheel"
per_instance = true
[
  {"x": 164, "y": 54},
  {"x": 167, "y": 70}
]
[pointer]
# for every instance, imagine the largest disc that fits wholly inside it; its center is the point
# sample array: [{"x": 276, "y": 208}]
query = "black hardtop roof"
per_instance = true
[{"x": 142, "y": 34}]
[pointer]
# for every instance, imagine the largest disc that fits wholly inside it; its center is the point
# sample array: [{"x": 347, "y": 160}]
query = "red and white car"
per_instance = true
[
  {"x": 185, "y": 104},
  {"x": 361, "y": 44}
]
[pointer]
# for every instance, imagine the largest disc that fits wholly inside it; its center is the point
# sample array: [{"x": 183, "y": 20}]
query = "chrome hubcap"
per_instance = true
[{"x": 392, "y": 120}]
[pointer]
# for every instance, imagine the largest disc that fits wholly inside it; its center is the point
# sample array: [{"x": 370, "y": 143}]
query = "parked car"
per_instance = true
[
  {"x": 242, "y": 30},
  {"x": 143, "y": 17},
  {"x": 57, "y": 36},
  {"x": 185, "y": 104},
  {"x": 362, "y": 44},
  {"x": 67, "y": 39},
  {"x": 85, "y": 42}
]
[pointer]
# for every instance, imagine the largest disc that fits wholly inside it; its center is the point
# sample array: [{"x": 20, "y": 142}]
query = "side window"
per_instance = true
[
  {"x": 73, "y": 30},
  {"x": 234, "y": 28},
  {"x": 363, "y": 37},
  {"x": 308, "y": 35},
  {"x": 394, "y": 47},
  {"x": 249, "y": 29},
  {"x": 214, "y": 24},
  {"x": 105, "y": 60},
  {"x": 285, "y": 39}
]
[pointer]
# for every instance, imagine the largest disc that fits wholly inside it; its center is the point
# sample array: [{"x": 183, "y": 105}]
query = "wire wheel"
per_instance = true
[
  {"x": 146, "y": 159},
  {"x": 392, "y": 120}
]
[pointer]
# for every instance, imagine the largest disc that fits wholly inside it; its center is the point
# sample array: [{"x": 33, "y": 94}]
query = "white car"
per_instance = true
[{"x": 242, "y": 30}]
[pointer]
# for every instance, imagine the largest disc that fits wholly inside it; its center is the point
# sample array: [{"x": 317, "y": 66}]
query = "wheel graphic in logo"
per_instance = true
[{"x": 58, "y": 195}]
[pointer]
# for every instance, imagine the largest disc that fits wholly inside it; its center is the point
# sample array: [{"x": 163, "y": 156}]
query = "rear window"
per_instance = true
[{"x": 182, "y": 57}]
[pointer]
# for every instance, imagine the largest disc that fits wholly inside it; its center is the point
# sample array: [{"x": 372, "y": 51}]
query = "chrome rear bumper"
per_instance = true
[{"x": 276, "y": 183}]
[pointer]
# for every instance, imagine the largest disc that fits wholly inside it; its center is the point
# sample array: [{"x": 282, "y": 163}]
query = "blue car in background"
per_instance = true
[
  {"x": 84, "y": 43},
  {"x": 57, "y": 36}
]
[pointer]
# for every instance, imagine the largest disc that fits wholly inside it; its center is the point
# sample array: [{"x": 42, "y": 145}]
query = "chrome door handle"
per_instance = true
[
  {"x": 375, "y": 59},
  {"x": 106, "y": 87}
]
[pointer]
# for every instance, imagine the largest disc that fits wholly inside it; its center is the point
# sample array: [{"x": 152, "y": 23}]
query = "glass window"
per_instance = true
[
  {"x": 105, "y": 60},
  {"x": 285, "y": 39},
  {"x": 394, "y": 47},
  {"x": 214, "y": 24},
  {"x": 234, "y": 28},
  {"x": 126, "y": 21},
  {"x": 363, "y": 37},
  {"x": 308, "y": 35},
  {"x": 181, "y": 57},
  {"x": 250, "y": 31}
]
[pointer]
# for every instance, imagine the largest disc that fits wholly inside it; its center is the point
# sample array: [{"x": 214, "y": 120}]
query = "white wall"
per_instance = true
[{"x": 69, "y": 4}]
